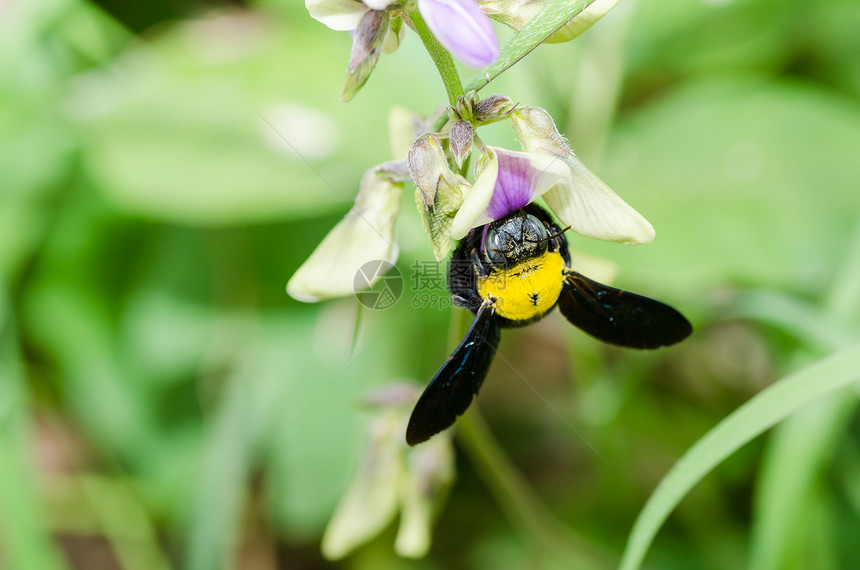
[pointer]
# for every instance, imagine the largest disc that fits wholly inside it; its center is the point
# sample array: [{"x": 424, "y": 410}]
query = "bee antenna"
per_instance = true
[{"x": 555, "y": 235}]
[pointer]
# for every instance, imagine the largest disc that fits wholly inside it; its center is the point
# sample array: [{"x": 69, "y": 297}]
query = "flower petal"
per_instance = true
[
  {"x": 365, "y": 234},
  {"x": 472, "y": 212},
  {"x": 510, "y": 181},
  {"x": 592, "y": 209},
  {"x": 522, "y": 178},
  {"x": 584, "y": 20},
  {"x": 463, "y": 29},
  {"x": 378, "y": 4},
  {"x": 586, "y": 203},
  {"x": 517, "y": 13},
  {"x": 372, "y": 499},
  {"x": 430, "y": 474},
  {"x": 339, "y": 15},
  {"x": 401, "y": 131}
]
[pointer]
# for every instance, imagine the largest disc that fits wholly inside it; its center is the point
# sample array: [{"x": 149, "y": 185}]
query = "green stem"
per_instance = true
[
  {"x": 443, "y": 60},
  {"x": 519, "y": 501}
]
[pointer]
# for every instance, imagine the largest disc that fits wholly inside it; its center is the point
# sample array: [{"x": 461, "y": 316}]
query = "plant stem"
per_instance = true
[
  {"x": 513, "y": 493},
  {"x": 443, "y": 60},
  {"x": 518, "y": 500}
]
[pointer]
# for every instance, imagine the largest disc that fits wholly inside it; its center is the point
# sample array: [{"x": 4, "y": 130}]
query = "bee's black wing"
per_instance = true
[
  {"x": 450, "y": 392},
  {"x": 619, "y": 317}
]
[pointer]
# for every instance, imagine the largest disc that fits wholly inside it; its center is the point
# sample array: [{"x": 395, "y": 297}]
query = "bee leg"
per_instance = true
[
  {"x": 480, "y": 268},
  {"x": 473, "y": 302},
  {"x": 559, "y": 243},
  {"x": 462, "y": 281}
]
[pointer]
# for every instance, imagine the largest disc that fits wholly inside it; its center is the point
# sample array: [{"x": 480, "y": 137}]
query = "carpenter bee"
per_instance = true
[{"x": 516, "y": 270}]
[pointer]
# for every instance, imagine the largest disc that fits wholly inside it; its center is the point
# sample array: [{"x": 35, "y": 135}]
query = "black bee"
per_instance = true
[{"x": 518, "y": 269}]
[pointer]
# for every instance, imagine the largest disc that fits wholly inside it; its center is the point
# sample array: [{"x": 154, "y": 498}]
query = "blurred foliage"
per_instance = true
[{"x": 165, "y": 169}]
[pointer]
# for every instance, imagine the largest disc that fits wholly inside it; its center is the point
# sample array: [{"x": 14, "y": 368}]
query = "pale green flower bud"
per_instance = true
[
  {"x": 366, "y": 47},
  {"x": 461, "y": 136},
  {"x": 365, "y": 234},
  {"x": 517, "y": 13},
  {"x": 463, "y": 109},
  {"x": 427, "y": 165},
  {"x": 583, "y": 201},
  {"x": 394, "y": 37},
  {"x": 537, "y": 132},
  {"x": 439, "y": 191},
  {"x": 493, "y": 107}
]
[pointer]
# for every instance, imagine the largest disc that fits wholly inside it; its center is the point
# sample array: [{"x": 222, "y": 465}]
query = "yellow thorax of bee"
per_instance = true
[{"x": 527, "y": 290}]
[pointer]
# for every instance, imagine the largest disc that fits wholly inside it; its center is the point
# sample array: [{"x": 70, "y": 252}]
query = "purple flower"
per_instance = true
[
  {"x": 509, "y": 181},
  {"x": 514, "y": 186},
  {"x": 463, "y": 29}
]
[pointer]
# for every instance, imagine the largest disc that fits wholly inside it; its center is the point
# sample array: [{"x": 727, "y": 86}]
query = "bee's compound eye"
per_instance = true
[
  {"x": 533, "y": 229},
  {"x": 495, "y": 247}
]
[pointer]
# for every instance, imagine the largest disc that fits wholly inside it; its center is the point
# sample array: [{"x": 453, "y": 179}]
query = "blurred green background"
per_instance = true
[{"x": 164, "y": 404}]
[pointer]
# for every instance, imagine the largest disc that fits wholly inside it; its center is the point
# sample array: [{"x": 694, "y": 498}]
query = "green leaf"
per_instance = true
[
  {"x": 800, "y": 448},
  {"x": 658, "y": 160},
  {"x": 797, "y": 452},
  {"x": 760, "y": 413},
  {"x": 26, "y": 539},
  {"x": 546, "y": 23},
  {"x": 316, "y": 427},
  {"x": 215, "y": 525},
  {"x": 71, "y": 328},
  {"x": 794, "y": 316},
  {"x": 175, "y": 133}
]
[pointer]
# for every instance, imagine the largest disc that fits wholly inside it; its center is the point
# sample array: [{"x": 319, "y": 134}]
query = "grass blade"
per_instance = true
[
  {"x": 795, "y": 456},
  {"x": 799, "y": 449},
  {"x": 760, "y": 413}
]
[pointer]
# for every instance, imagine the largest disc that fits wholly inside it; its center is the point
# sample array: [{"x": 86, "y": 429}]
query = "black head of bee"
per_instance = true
[{"x": 515, "y": 238}]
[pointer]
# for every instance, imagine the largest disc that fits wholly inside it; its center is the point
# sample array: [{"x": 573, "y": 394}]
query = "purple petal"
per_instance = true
[
  {"x": 463, "y": 29},
  {"x": 515, "y": 186},
  {"x": 506, "y": 181}
]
